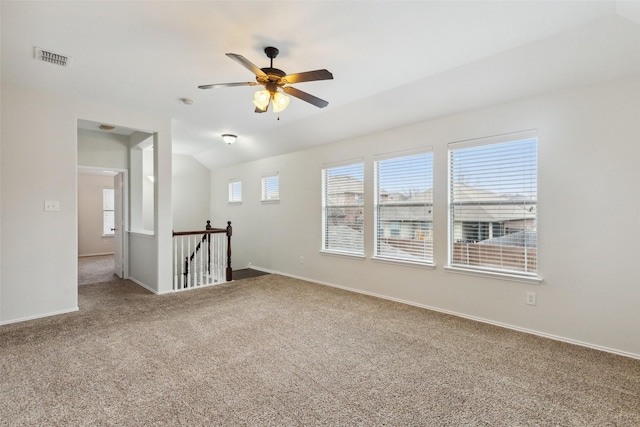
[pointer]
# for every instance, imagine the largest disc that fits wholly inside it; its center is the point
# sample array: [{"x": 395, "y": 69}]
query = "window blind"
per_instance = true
[
  {"x": 342, "y": 205},
  {"x": 493, "y": 205},
  {"x": 403, "y": 207},
  {"x": 270, "y": 187},
  {"x": 235, "y": 191}
]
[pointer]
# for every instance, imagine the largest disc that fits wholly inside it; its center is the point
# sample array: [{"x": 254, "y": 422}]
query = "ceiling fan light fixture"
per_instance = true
[
  {"x": 280, "y": 102},
  {"x": 261, "y": 99},
  {"x": 229, "y": 138}
]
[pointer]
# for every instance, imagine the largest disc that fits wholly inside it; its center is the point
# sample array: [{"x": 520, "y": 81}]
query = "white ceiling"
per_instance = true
[{"x": 394, "y": 62}]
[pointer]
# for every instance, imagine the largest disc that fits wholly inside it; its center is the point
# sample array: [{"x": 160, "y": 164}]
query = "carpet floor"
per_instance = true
[
  {"x": 276, "y": 351},
  {"x": 95, "y": 269}
]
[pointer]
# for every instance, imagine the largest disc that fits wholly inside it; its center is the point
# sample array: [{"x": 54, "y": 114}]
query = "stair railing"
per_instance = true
[{"x": 199, "y": 257}]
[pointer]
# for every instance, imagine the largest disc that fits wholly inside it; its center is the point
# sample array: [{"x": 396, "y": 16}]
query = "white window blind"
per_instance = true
[
  {"x": 235, "y": 191},
  {"x": 493, "y": 204},
  {"x": 342, "y": 205},
  {"x": 270, "y": 187},
  {"x": 108, "y": 216},
  {"x": 403, "y": 207}
]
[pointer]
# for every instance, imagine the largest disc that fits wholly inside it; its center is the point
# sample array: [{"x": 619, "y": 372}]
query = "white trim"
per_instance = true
[
  {"x": 462, "y": 315},
  {"x": 100, "y": 254},
  {"x": 534, "y": 280},
  {"x": 137, "y": 282},
  {"x": 494, "y": 139},
  {"x": 401, "y": 154},
  {"x": 39, "y": 316},
  {"x": 404, "y": 262},
  {"x": 341, "y": 163},
  {"x": 270, "y": 201},
  {"x": 143, "y": 233},
  {"x": 341, "y": 254},
  {"x": 207, "y": 285}
]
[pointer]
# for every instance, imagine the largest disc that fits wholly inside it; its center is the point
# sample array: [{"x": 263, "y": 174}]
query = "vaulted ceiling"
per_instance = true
[{"x": 394, "y": 62}]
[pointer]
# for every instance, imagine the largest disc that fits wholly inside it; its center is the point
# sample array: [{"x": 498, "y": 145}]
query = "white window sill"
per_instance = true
[
  {"x": 269, "y": 201},
  {"x": 531, "y": 279},
  {"x": 418, "y": 264},
  {"x": 342, "y": 254},
  {"x": 234, "y": 203}
]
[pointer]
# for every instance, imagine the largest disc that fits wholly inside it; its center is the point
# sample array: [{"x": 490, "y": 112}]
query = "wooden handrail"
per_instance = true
[{"x": 208, "y": 230}]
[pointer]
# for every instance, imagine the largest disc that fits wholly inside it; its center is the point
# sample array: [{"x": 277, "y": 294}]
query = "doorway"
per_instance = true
[{"x": 102, "y": 222}]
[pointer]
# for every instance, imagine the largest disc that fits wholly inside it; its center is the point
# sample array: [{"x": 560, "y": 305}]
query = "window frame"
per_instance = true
[
  {"x": 233, "y": 191},
  {"x": 525, "y": 276},
  {"x": 110, "y": 232},
  {"x": 412, "y": 156},
  {"x": 326, "y": 206},
  {"x": 264, "y": 187}
]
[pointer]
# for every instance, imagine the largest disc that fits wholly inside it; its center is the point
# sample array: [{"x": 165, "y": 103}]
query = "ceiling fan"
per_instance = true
[{"x": 273, "y": 79}]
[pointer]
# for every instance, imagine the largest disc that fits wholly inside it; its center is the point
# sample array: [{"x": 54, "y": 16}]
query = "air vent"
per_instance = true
[{"x": 51, "y": 57}]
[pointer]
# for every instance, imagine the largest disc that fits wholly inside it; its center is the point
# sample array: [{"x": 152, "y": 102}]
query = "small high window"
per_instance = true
[
  {"x": 235, "y": 191},
  {"x": 270, "y": 187}
]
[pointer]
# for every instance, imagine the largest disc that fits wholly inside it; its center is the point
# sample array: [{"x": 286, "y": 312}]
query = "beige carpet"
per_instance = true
[
  {"x": 95, "y": 269},
  {"x": 274, "y": 351}
]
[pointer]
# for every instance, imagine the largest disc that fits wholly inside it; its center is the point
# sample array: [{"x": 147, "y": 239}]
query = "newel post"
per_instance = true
[{"x": 229, "y": 271}]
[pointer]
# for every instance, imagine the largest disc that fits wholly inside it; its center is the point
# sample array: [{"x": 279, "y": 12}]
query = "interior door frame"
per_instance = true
[{"x": 125, "y": 210}]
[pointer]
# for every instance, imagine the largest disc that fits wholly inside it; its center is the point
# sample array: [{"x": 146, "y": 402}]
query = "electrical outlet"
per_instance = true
[
  {"x": 301, "y": 260},
  {"x": 51, "y": 205},
  {"x": 531, "y": 298}
]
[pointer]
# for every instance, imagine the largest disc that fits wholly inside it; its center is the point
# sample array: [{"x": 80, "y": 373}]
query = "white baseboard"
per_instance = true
[
  {"x": 38, "y": 316},
  {"x": 147, "y": 287},
  {"x": 465, "y": 316}
]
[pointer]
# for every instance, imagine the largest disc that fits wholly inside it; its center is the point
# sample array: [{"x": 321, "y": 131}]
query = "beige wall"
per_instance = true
[{"x": 588, "y": 196}]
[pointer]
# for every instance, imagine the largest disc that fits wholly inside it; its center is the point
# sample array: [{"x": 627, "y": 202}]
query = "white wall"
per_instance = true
[
  {"x": 191, "y": 194},
  {"x": 589, "y": 205},
  {"x": 90, "y": 215},
  {"x": 39, "y": 162}
]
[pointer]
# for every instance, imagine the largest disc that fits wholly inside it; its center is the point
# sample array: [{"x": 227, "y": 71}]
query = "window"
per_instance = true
[
  {"x": 108, "y": 215},
  {"x": 493, "y": 204},
  {"x": 235, "y": 191},
  {"x": 403, "y": 207},
  {"x": 270, "y": 187},
  {"x": 342, "y": 208}
]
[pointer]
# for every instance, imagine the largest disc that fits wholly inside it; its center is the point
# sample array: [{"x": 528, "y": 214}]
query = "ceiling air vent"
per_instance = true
[{"x": 51, "y": 57}]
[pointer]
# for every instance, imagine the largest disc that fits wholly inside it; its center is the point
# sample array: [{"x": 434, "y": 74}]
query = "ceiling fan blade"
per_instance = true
[
  {"x": 307, "y": 76},
  {"x": 258, "y": 110},
  {"x": 218, "y": 85},
  {"x": 320, "y": 103},
  {"x": 247, "y": 64}
]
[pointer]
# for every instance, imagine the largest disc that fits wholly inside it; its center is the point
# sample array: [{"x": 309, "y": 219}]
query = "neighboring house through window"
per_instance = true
[
  {"x": 342, "y": 208},
  {"x": 493, "y": 204},
  {"x": 403, "y": 206}
]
